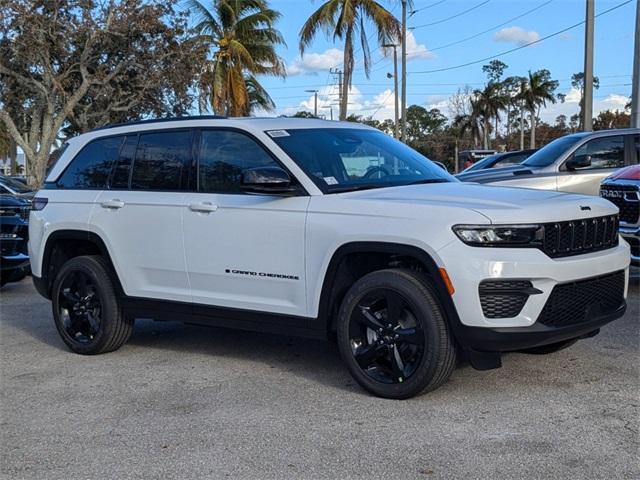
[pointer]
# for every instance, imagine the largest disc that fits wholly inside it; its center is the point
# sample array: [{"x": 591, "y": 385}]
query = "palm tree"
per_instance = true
[
  {"x": 346, "y": 19},
  {"x": 243, "y": 37},
  {"x": 472, "y": 122},
  {"x": 491, "y": 101},
  {"x": 538, "y": 90}
]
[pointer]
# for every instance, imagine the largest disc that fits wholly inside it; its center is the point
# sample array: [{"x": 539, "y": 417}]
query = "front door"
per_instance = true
[{"x": 242, "y": 250}]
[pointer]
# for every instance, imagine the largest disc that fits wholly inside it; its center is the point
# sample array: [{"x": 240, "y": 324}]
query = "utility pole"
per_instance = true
[
  {"x": 635, "y": 87},
  {"x": 338, "y": 73},
  {"x": 315, "y": 103},
  {"x": 403, "y": 130},
  {"x": 395, "y": 86},
  {"x": 587, "y": 99}
]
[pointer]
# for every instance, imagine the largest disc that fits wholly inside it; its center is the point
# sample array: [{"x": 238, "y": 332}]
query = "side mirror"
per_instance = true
[
  {"x": 576, "y": 162},
  {"x": 269, "y": 180}
]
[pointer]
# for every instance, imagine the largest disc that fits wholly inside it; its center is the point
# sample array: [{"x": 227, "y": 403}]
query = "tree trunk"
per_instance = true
[
  {"x": 508, "y": 127},
  {"x": 532, "y": 144},
  {"x": 346, "y": 74},
  {"x": 522, "y": 127},
  {"x": 13, "y": 156},
  {"x": 486, "y": 134}
]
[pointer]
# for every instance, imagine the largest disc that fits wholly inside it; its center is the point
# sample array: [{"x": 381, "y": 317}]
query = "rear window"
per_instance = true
[{"x": 91, "y": 167}]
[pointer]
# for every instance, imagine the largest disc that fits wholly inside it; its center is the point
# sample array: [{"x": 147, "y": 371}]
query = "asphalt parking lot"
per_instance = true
[{"x": 189, "y": 402}]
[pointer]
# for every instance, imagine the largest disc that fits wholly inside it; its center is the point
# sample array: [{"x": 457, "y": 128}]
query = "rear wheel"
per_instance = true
[
  {"x": 86, "y": 310},
  {"x": 393, "y": 336}
]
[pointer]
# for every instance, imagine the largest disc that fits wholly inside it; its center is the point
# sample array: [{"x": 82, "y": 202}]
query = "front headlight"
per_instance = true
[{"x": 500, "y": 235}]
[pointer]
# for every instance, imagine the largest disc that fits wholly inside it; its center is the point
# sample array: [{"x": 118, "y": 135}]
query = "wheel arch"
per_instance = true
[
  {"x": 62, "y": 245},
  {"x": 339, "y": 275}
]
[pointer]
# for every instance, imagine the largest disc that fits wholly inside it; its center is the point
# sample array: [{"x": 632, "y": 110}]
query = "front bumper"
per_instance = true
[
  {"x": 632, "y": 236},
  {"x": 468, "y": 266}
]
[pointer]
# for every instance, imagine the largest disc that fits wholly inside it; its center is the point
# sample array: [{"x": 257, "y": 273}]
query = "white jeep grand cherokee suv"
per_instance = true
[{"x": 317, "y": 228}]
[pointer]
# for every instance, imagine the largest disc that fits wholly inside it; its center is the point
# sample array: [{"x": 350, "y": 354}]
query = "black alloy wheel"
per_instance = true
[
  {"x": 80, "y": 307},
  {"x": 386, "y": 340},
  {"x": 393, "y": 335},
  {"x": 86, "y": 307}
]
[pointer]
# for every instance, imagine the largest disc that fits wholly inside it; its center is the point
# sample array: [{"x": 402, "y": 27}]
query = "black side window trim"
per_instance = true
[{"x": 194, "y": 183}]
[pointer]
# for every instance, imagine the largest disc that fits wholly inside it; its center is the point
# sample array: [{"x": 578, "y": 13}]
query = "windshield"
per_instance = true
[
  {"x": 550, "y": 152},
  {"x": 344, "y": 159},
  {"x": 15, "y": 185},
  {"x": 480, "y": 164}
]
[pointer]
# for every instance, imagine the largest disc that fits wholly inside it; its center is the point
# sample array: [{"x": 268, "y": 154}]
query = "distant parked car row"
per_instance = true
[{"x": 15, "y": 205}]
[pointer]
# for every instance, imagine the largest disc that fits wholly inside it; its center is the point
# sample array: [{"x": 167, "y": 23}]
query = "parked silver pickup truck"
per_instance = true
[{"x": 574, "y": 163}]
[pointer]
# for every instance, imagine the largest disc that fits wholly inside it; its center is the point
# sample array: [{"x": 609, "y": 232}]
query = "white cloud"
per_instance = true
[
  {"x": 315, "y": 62},
  {"x": 415, "y": 50},
  {"x": 570, "y": 106},
  {"x": 516, "y": 35}
]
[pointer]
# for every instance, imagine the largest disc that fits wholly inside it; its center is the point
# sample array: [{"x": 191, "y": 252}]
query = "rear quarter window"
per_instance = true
[{"x": 91, "y": 167}]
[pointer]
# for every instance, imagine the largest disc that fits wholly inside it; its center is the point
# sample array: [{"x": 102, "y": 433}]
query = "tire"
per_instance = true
[
  {"x": 413, "y": 352},
  {"x": 89, "y": 319},
  {"x": 551, "y": 348}
]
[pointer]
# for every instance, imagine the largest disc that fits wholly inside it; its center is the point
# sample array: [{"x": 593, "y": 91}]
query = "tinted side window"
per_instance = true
[
  {"x": 605, "y": 152},
  {"x": 122, "y": 169},
  {"x": 636, "y": 144},
  {"x": 91, "y": 167},
  {"x": 223, "y": 157},
  {"x": 162, "y": 159}
]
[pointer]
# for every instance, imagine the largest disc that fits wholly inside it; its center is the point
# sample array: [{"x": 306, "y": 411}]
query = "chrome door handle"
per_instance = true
[
  {"x": 205, "y": 207},
  {"x": 115, "y": 204}
]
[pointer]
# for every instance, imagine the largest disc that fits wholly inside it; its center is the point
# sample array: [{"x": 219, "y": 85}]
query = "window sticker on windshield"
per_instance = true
[
  {"x": 278, "y": 133},
  {"x": 330, "y": 180}
]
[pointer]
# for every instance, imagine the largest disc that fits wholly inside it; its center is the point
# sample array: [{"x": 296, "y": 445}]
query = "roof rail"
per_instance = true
[{"x": 160, "y": 120}]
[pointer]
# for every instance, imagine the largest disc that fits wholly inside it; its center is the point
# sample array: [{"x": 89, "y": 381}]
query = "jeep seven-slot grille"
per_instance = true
[
  {"x": 626, "y": 198},
  {"x": 563, "y": 239},
  {"x": 503, "y": 298},
  {"x": 577, "y": 302}
]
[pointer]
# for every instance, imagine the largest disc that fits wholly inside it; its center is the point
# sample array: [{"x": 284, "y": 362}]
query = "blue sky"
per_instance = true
[{"x": 562, "y": 54}]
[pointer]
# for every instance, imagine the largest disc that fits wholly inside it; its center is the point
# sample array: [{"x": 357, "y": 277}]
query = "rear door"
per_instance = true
[
  {"x": 140, "y": 215},
  {"x": 242, "y": 250},
  {"x": 607, "y": 155}
]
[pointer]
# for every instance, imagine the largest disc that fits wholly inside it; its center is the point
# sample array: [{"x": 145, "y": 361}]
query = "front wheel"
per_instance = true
[
  {"x": 86, "y": 310},
  {"x": 393, "y": 336}
]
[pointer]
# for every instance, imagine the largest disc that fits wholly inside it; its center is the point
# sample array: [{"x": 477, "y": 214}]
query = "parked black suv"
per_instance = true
[{"x": 14, "y": 230}]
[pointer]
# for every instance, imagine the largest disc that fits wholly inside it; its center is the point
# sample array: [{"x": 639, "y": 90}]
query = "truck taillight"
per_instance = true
[{"x": 38, "y": 203}]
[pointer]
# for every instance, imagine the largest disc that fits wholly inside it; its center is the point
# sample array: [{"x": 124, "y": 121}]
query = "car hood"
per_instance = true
[
  {"x": 498, "y": 204},
  {"x": 496, "y": 174}
]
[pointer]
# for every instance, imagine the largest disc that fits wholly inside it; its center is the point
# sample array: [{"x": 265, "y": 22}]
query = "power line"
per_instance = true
[
  {"x": 413, "y": 12},
  {"x": 521, "y": 46},
  {"x": 451, "y": 17},
  {"x": 492, "y": 28}
]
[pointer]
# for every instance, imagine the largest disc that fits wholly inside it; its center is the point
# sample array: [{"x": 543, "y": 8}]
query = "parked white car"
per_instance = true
[
  {"x": 575, "y": 163},
  {"x": 256, "y": 224}
]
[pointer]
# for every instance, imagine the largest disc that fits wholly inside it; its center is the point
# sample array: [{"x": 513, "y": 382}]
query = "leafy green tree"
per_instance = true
[
  {"x": 422, "y": 122},
  {"x": 73, "y": 65},
  {"x": 491, "y": 101},
  {"x": 345, "y": 20},
  {"x": 494, "y": 70},
  {"x": 577, "y": 82},
  {"x": 471, "y": 122},
  {"x": 242, "y": 37},
  {"x": 539, "y": 90}
]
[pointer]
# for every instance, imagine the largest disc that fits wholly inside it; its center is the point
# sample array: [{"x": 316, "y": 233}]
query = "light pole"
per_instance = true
[
  {"x": 315, "y": 104},
  {"x": 330, "y": 111},
  {"x": 587, "y": 100},
  {"x": 395, "y": 85},
  {"x": 635, "y": 87},
  {"x": 403, "y": 130}
]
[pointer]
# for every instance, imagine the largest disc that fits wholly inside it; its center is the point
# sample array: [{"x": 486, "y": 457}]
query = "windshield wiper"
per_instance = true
[
  {"x": 353, "y": 188},
  {"x": 428, "y": 180}
]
